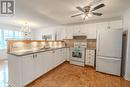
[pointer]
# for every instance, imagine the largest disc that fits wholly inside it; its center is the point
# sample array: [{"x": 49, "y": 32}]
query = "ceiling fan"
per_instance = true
[{"x": 88, "y": 11}]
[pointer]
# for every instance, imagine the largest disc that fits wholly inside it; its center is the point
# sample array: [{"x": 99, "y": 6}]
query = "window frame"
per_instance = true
[{"x": 4, "y": 37}]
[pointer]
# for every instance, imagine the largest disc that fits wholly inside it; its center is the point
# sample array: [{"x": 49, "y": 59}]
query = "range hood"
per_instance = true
[{"x": 80, "y": 37}]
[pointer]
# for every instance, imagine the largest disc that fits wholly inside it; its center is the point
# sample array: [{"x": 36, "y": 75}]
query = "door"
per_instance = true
[
  {"x": 91, "y": 31},
  {"x": 108, "y": 65},
  {"x": 69, "y": 32},
  {"x": 39, "y": 64},
  {"x": 67, "y": 54},
  {"x": 64, "y": 56},
  {"x": 58, "y": 57},
  {"x": 28, "y": 69},
  {"x": 49, "y": 60},
  {"x": 116, "y": 24},
  {"x": 109, "y": 43},
  {"x": 77, "y": 54}
]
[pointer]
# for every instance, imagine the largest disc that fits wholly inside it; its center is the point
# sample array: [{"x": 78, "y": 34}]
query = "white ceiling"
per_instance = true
[{"x": 41, "y": 13}]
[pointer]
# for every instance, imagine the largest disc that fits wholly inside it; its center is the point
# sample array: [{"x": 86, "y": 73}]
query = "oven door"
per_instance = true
[{"x": 77, "y": 55}]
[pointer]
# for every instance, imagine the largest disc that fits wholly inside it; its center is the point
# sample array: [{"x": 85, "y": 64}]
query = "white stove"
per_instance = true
[{"x": 78, "y": 54}]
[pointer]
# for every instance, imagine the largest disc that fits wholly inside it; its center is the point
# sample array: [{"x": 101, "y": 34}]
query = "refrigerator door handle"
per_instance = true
[{"x": 110, "y": 58}]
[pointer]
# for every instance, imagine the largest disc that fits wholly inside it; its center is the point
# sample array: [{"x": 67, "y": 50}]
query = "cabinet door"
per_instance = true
[
  {"x": 103, "y": 25},
  {"x": 83, "y": 29},
  {"x": 64, "y": 56},
  {"x": 90, "y": 57},
  {"x": 77, "y": 30},
  {"x": 67, "y": 54},
  {"x": 91, "y": 60},
  {"x": 58, "y": 57},
  {"x": 49, "y": 60},
  {"x": 91, "y": 31},
  {"x": 87, "y": 57},
  {"x": 69, "y": 32},
  {"x": 39, "y": 64},
  {"x": 60, "y": 34},
  {"x": 28, "y": 72},
  {"x": 116, "y": 24}
]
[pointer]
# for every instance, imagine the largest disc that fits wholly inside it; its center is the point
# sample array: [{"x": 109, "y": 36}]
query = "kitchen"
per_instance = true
[{"x": 39, "y": 49}]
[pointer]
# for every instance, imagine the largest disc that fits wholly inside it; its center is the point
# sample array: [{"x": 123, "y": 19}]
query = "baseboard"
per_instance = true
[{"x": 126, "y": 78}]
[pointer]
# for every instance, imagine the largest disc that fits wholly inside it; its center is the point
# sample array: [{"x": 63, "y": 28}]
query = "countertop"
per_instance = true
[{"x": 27, "y": 52}]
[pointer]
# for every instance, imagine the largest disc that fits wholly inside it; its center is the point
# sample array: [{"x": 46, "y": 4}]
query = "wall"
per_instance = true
[{"x": 126, "y": 26}]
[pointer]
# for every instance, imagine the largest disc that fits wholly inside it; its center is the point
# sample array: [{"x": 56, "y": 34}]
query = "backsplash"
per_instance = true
[
  {"x": 91, "y": 43},
  {"x": 30, "y": 44}
]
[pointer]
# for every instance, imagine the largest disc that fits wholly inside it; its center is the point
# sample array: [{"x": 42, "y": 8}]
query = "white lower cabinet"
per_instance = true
[
  {"x": 67, "y": 54},
  {"x": 90, "y": 57},
  {"x": 60, "y": 56},
  {"x": 64, "y": 54},
  {"x": 24, "y": 69},
  {"x": 41, "y": 61},
  {"x": 28, "y": 70}
]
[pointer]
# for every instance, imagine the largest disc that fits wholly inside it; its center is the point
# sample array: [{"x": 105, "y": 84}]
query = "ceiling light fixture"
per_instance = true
[
  {"x": 89, "y": 15},
  {"x": 83, "y": 16},
  {"x": 26, "y": 31},
  {"x": 86, "y": 17}
]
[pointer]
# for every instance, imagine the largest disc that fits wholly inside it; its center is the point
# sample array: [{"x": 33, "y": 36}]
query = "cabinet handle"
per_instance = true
[
  {"x": 53, "y": 51},
  {"x": 33, "y": 55},
  {"x": 36, "y": 55}
]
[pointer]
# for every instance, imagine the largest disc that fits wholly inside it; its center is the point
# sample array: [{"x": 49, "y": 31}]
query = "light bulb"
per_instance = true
[
  {"x": 89, "y": 15},
  {"x": 86, "y": 17},
  {"x": 83, "y": 16}
]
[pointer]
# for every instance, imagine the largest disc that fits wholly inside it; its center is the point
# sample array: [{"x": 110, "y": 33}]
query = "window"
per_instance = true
[
  {"x": 18, "y": 35},
  {"x": 9, "y": 34},
  {"x": 1, "y": 40}
]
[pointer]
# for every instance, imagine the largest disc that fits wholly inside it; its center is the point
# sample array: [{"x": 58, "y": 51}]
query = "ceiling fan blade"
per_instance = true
[
  {"x": 98, "y": 7},
  {"x": 97, "y": 14},
  {"x": 94, "y": 2},
  {"x": 81, "y": 9},
  {"x": 77, "y": 15}
]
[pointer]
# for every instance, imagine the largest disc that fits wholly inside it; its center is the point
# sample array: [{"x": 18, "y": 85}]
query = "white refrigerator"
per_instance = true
[{"x": 109, "y": 51}]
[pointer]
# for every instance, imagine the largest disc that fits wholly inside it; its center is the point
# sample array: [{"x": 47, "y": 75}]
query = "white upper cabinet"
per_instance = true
[
  {"x": 91, "y": 31},
  {"x": 103, "y": 25},
  {"x": 111, "y": 25},
  {"x": 77, "y": 30},
  {"x": 115, "y": 24},
  {"x": 80, "y": 30},
  {"x": 60, "y": 33},
  {"x": 69, "y": 32}
]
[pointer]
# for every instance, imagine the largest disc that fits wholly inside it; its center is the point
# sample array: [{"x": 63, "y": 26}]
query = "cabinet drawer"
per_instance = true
[
  {"x": 90, "y": 57},
  {"x": 108, "y": 65}
]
